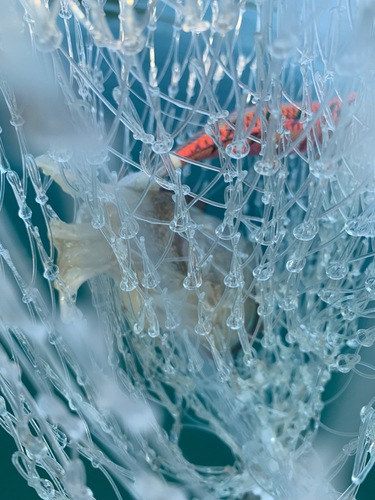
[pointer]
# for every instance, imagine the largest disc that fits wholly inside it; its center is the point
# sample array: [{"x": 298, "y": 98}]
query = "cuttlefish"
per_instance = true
[{"x": 167, "y": 278}]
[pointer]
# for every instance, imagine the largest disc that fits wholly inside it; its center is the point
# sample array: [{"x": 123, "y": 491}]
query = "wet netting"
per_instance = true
[{"x": 186, "y": 245}]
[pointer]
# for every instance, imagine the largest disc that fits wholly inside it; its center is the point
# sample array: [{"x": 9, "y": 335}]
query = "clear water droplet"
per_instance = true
[
  {"x": 306, "y": 231},
  {"x": 295, "y": 265},
  {"x": 263, "y": 273},
  {"x": 337, "y": 271},
  {"x": 267, "y": 167}
]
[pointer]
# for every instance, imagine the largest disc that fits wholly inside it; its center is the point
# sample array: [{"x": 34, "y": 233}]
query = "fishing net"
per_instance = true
[{"x": 186, "y": 244}]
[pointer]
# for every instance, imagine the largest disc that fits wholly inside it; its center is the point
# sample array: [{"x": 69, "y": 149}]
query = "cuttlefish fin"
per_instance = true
[{"x": 83, "y": 254}]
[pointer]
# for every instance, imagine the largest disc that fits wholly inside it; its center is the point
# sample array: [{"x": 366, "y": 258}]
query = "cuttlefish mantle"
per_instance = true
[{"x": 85, "y": 252}]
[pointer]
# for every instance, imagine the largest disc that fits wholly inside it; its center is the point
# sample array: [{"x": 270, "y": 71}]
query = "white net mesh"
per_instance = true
[{"x": 208, "y": 169}]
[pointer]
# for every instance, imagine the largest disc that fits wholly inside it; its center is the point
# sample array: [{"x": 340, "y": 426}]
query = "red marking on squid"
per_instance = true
[{"x": 202, "y": 147}]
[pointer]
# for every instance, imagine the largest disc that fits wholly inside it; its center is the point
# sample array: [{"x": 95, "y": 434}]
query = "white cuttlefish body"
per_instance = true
[{"x": 85, "y": 252}]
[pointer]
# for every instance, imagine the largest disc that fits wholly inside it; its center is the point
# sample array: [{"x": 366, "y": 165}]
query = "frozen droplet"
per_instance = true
[
  {"x": 347, "y": 313},
  {"x": 116, "y": 94},
  {"x": 250, "y": 357},
  {"x": 234, "y": 322},
  {"x": 267, "y": 197},
  {"x": 346, "y": 362},
  {"x": 238, "y": 150},
  {"x": 172, "y": 322},
  {"x": 306, "y": 231},
  {"x": 267, "y": 167},
  {"x": 365, "y": 411},
  {"x": 127, "y": 284},
  {"x": 203, "y": 328},
  {"x": 98, "y": 157},
  {"x": 226, "y": 230},
  {"x": 263, "y": 272},
  {"x": 51, "y": 272},
  {"x": 265, "y": 309},
  {"x": 291, "y": 337},
  {"x": 65, "y": 12},
  {"x": 337, "y": 271},
  {"x": 267, "y": 234},
  {"x": 17, "y": 121},
  {"x": 194, "y": 367},
  {"x": 145, "y": 138},
  {"x": 24, "y": 212},
  {"x": 132, "y": 45},
  {"x": 327, "y": 296},
  {"x": 163, "y": 146},
  {"x": 129, "y": 229},
  {"x": 98, "y": 218},
  {"x": 268, "y": 340},
  {"x": 153, "y": 332},
  {"x": 60, "y": 155},
  {"x": 149, "y": 281},
  {"x": 41, "y": 198},
  {"x": 194, "y": 24},
  {"x": 181, "y": 221},
  {"x": 352, "y": 227},
  {"x": 295, "y": 265},
  {"x": 193, "y": 280},
  {"x": 288, "y": 304},
  {"x": 366, "y": 338}
]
